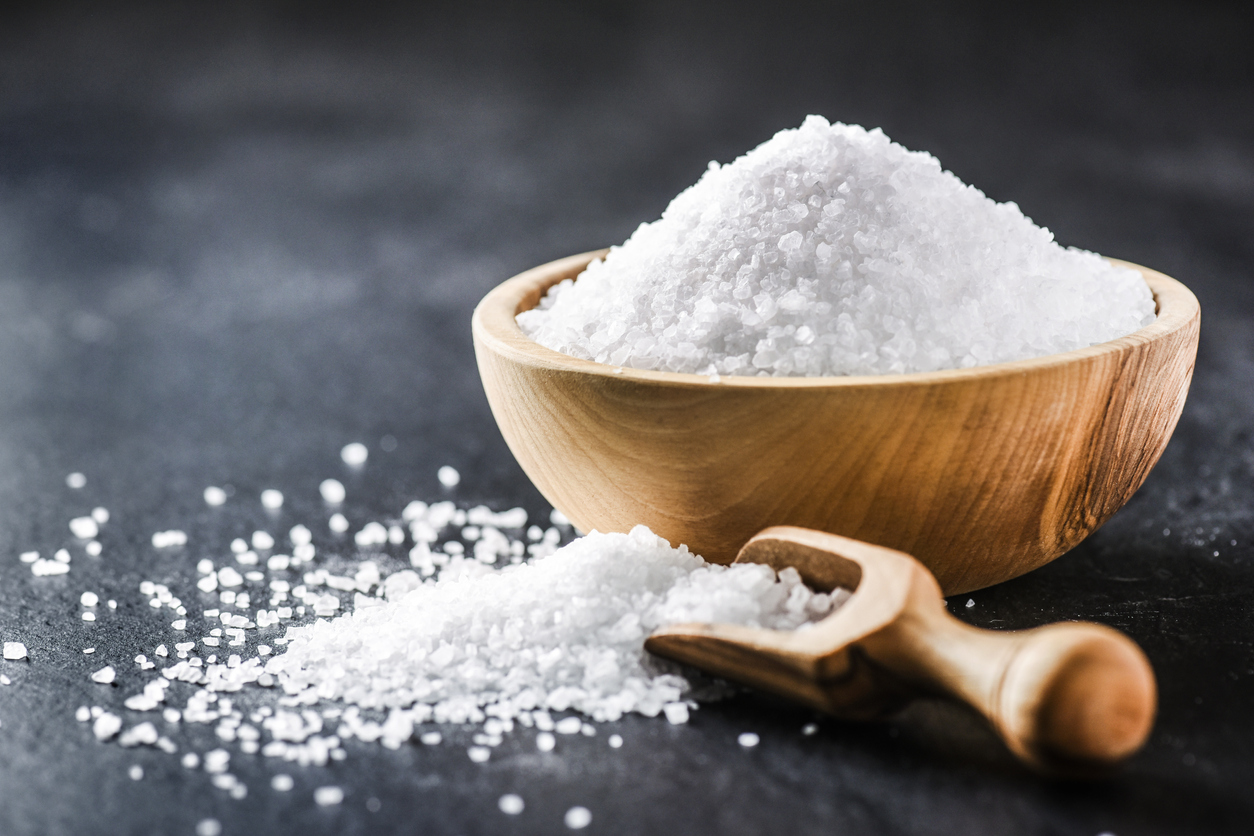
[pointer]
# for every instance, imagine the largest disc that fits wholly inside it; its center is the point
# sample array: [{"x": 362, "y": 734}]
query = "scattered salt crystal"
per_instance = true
[
  {"x": 83, "y": 714},
  {"x": 100, "y": 515},
  {"x": 105, "y": 675},
  {"x": 272, "y": 499},
  {"x": 328, "y": 796},
  {"x": 545, "y": 741},
  {"x": 84, "y": 528},
  {"x": 4, "y": 680},
  {"x": 191, "y": 760},
  {"x": 332, "y": 491},
  {"x": 14, "y": 651},
  {"x": 214, "y": 496},
  {"x": 830, "y": 250},
  {"x": 136, "y": 772},
  {"x": 262, "y": 540},
  {"x": 42, "y": 568},
  {"x": 676, "y": 713},
  {"x": 355, "y": 454},
  {"x": 62, "y": 556},
  {"x": 228, "y": 577},
  {"x": 209, "y": 827},
  {"x": 479, "y": 754},
  {"x": 556, "y": 517},
  {"x": 106, "y": 726},
  {"x": 616, "y": 741},
  {"x": 217, "y": 761},
  {"x": 29, "y": 557},
  {"x": 299, "y": 535},
  {"x": 510, "y": 804},
  {"x": 168, "y": 539},
  {"x": 89, "y": 650},
  {"x": 89, "y": 616},
  {"x": 89, "y": 599},
  {"x": 282, "y": 782},
  {"x": 810, "y": 729},
  {"x": 76, "y": 480},
  {"x": 338, "y": 523},
  {"x": 113, "y": 605},
  {"x": 577, "y": 818},
  {"x": 970, "y": 603},
  {"x": 448, "y": 476},
  {"x": 93, "y": 548},
  {"x": 569, "y": 725},
  {"x": 748, "y": 740},
  {"x": 431, "y": 738},
  {"x": 179, "y": 624}
]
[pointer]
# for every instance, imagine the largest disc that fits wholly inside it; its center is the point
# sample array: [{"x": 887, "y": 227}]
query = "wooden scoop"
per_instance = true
[{"x": 1072, "y": 697}]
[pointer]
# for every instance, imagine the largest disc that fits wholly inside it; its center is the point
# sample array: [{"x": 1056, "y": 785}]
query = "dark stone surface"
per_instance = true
[{"x": 234, "y": 238}]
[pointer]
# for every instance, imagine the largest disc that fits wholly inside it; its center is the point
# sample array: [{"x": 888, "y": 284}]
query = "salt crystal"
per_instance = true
[
  {"x": 338, "y": 523},
  {"x": 136, "y": 772},
  {"x": 14, "y": 651},
  {"x": 29, "y": 557},
  {"x": 616, "y": 741},
  {"x": 84, "y": 528},
  {"x": 272, "y": 499},
  {"x": 76, "y": 480},
  {"x": 748, "y": 740},
  {"x": 168, "y": 539},
  {"x": 214, "y": 496},
  {"x": 830, "y": 250},
  {"x": 970, "y": 603},
  {"x": 100, "y": 515},
  {"x": 105, "y": 675},
  {"x": 810, "y": 729},
  {"x": 93, "y": 548},
  {"x": 89, "y": 599},
  {"x": 355, "y": 454},
  {"x": 448, "y": 476},
  {"x": 328, "y": 796},
  {"x": 89, "y": 616},
  {"x": 569, "y": 725},
  {"x": 545, "y": 741},
  {"x": 282, "y": 783},
  {"x": 106, "y": 726},
  {"x": 479, "y": 754},
  {"x": 62, "y": 556},
  {"x": 577, "y": 818},
  {"x": 432, "y": 738},
  {"x": 83, "y": 714},
  {"x": 209, "y": 827},
  {"x": 676, "y": 713},
  {"x": 510, "y": 804},
  {"x": 43, "y": 568},
  {"x": 262, "y": 540},
  {"x": 332, "y": 491}
]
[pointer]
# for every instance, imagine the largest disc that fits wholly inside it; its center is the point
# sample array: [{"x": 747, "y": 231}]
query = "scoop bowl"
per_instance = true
[{"x": 982, "y": 474}]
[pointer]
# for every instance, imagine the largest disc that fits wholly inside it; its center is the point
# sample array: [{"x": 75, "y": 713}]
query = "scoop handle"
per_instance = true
[{"x": 1066, "y": 697}]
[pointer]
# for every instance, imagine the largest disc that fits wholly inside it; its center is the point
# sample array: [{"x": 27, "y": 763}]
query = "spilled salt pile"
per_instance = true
[
  {"x": 562, "y": 632},
  {"x": 830, "y": 250}
]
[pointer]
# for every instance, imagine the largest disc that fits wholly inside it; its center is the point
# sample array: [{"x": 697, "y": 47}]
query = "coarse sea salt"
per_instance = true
[
  {"x": 830, "y": 250},
  {"x": 561, "y": 632}
]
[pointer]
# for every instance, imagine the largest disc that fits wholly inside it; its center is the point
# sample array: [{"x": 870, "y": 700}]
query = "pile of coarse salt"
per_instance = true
[
  {"x": 439, "y": 618},
  {"x": 562, "y": 632},
  {"x": 830, "y": 250}
]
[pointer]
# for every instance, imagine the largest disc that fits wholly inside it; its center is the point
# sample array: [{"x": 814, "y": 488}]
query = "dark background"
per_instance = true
[{"x": 234, "y": 238}]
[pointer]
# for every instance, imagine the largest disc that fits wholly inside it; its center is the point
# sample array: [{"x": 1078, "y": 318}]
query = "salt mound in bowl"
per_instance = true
[{"x": 982, "y": 473}]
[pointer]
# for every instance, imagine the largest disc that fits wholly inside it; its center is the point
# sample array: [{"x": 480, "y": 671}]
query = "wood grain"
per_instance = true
[
  {"x": 1066, "y": 698},
  {"x": 982, "y": 474}
]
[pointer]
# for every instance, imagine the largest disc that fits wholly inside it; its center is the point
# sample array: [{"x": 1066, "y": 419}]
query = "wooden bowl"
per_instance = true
[{"x": 983, "y": 474}]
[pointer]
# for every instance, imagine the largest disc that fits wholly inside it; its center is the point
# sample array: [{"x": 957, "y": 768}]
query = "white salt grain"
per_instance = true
[
  {"x": 355, "y": 454},
  {"x": 479, "y": 754},
  {"x": 676, "y": 713},
  {"x": 136, "y": 772},
  {"x": 14, "y": 651},
  {"x": 84, "y": 528},
  {"x": 545, "y": 741},
  {"x": 448, "y": 476},
  {"x": 209, "y": 827},
  {"x": 577, "y": 818},
  {"x": 328, "y": 796},
  {"x": 272, "y": 499},
  {"x": 93, "y": 548},
  {"x": 105, "y": 675},
  {"x": 338, "y": 523},
  {"x": 282, "y": 783},
  {"x": 76, "y": 480},
  {"x": 830, "y": 250},
  {"x": 169, "y": 539},
  {"x": 332, "y": 491},
  {"x": 89, "y": 599},
  {"x": 89, "y": 616},
  {"x": 29, "y": 557},
  {"x": 262, "y": 540},
  {"x": 810, "y": 729},
  {"x": 970, "y": 603},
  {"x": 511, "y": 804},
  {"x": 100, "y": 515},
  {"x": 748, "y": 740},
  {"x": 214, "y": 496}
]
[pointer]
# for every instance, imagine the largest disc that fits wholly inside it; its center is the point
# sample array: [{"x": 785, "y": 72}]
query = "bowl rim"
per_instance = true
[{"x": 494, "y": 323}]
